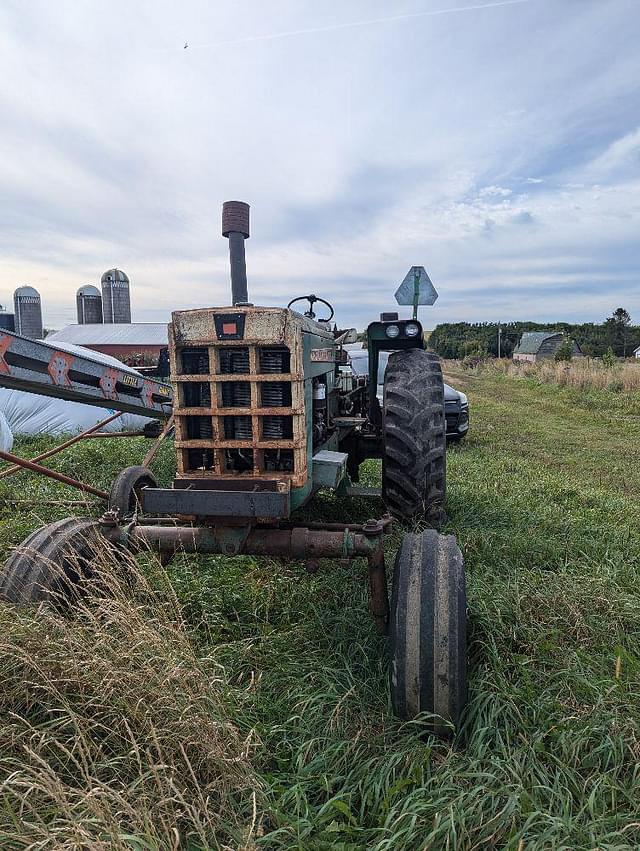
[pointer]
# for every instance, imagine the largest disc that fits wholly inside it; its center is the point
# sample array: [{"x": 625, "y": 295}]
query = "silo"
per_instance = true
[
  {"x": 89, "y": 304},
  {"x": 7, "y": 320},
  {"x": 28, "y": 312},
  {"x": 116, "y": 304}
]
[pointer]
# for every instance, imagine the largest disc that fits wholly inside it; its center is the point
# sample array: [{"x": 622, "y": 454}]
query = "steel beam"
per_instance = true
[{"x": 41, "y": 368}]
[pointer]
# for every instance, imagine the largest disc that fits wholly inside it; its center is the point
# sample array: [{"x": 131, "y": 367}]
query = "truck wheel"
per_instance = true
[
  {"x": 414, "y": 436},
  {"x": 51, "y": 564},
  {"x": 428, "y": 630},
  {"x": 125, "y": 496}
]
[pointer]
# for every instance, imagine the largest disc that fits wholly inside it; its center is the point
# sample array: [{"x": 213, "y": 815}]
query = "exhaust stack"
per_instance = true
[{"x": 235, "y": 226}]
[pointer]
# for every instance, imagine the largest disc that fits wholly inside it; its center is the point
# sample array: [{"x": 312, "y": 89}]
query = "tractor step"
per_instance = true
[{"x": 356, "y": 490}]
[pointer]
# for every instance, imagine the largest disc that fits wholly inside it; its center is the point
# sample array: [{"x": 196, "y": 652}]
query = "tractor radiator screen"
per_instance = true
[{"x": 239, "y": 409}]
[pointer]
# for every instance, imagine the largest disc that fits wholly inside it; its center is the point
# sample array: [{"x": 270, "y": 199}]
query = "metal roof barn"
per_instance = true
[
  {"x": 541, "y": 345},
  {"x": 125, "y": 341}
]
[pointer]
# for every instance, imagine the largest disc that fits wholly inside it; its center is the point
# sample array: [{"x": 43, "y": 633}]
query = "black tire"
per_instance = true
[
  {"x": 51, "y": 564},
  {"x": 414, "y": 437},
  {"x": 125, "y": 496},
  {"x": 428, "y": 631}
]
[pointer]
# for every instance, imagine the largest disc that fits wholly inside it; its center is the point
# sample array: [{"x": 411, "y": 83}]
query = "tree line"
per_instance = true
[{"x": 462, "y": 339}]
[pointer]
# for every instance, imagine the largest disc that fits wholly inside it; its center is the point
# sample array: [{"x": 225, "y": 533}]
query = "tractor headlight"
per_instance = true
[
  {"x": 392, "y": 331},
  {"x": 411, "y": 329}
]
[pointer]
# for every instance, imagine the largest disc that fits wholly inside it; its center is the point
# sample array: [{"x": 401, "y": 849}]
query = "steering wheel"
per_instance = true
[{"x": 312, "y": 299}]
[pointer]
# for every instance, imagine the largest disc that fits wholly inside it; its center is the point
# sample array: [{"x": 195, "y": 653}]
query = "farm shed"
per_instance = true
[
  {"x": 126, "y": 341},
  {"x": 541, "y": 345}
]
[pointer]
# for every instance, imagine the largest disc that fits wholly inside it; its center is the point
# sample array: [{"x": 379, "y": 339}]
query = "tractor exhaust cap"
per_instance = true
[{"x": 235, "y": 226}]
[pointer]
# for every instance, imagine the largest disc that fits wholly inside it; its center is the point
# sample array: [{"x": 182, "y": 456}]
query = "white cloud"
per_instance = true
[{"x": 362, "y": 151}]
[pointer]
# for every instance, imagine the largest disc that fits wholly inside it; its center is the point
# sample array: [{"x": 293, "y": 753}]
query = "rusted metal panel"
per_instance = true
[{"x": 254, "y": 505}]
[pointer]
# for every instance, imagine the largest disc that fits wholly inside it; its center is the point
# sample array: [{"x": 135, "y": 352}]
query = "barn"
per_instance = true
[
  {"x": 135, "y": 343},
  {"x": 535, "y": 346}
]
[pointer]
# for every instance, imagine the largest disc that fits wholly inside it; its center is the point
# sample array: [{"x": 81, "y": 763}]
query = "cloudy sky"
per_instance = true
[{"x": 495, "y": 143}]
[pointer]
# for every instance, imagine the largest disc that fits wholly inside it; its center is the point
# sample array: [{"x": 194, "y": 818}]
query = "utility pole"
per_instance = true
[{"x": 499, "y": 330}]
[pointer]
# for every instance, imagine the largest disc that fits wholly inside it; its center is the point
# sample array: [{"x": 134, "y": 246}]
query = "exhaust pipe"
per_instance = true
[{"x": 235, "y": 226}]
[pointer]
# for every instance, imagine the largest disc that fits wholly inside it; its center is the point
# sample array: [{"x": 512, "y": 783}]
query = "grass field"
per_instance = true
[
  {"x": 251, "y": 710},
  {"x": 581, "y": 373}
]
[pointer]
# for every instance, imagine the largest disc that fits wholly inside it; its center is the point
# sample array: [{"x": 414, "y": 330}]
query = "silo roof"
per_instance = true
[
  {"x": 114, "y": 275},
  {"x": 115, "y": 334},
  {"x": 88, "y": 289},
  {"x": 27, "y": 291}
]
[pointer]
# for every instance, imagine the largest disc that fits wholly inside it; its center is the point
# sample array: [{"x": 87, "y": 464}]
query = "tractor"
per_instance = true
[{"x": 265, "y": 415}]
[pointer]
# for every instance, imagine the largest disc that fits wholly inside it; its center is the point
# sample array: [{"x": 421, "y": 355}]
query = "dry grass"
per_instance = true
[
  {"x": 115, "y": 734},
  {"x": 582, "y": 373}
]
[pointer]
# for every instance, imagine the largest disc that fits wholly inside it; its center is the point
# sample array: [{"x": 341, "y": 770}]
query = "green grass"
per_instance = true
[{"x": 543, "y": 499}]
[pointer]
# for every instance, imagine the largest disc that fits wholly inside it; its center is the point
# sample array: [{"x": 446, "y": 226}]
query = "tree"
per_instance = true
[
  {"x": 450, "y": 340},
  {"x": 564, "y": 351},
  {"x": 617, "y": 325}
]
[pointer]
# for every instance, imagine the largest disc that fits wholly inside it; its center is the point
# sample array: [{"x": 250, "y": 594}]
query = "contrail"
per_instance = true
[{"x": 333, "y": 27}]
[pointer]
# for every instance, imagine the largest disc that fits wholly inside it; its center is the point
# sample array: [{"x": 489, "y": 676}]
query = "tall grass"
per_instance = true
[
  {"x": 581, "y": 373},
  {"x": 113, "y": 732},
  {"x": 275, "y": 683}
]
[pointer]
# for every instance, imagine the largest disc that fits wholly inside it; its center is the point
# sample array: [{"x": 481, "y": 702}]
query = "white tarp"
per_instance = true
[
  {"x": 29, "y": 413},
  {"x": 6, "y": 437}
]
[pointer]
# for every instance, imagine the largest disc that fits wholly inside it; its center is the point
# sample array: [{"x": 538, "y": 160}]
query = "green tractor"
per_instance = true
[{"x": 265, "y": 415}]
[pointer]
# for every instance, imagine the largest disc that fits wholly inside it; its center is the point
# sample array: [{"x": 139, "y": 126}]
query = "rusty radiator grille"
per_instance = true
[
  {"x": 275, "y": 359},
  {"x": 275, "y": 394},
  {"x": 199, "y": 459},
  {"x": 196, "y": 394},
  {"x": 195, "y": 361},
  {"x": 199, "y": 428},
  {"x": 234, "y": 361},
  {"x": 236, "y": 394},
  {"x": 277, "y": 428},
  {"x": 238, "y": 428},
  {"x": 240, "y": 411}
]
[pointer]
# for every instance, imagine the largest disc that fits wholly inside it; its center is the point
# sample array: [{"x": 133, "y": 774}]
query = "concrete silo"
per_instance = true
[
  {"x": 89, "y": 304},
  {"x": 116, "y": 303},
  {"x": 7, "y": 320},
  {"x": 28, "y": 312}
]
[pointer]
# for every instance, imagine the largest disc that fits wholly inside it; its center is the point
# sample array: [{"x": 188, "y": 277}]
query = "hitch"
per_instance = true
[{"x": 303, "y": 543}]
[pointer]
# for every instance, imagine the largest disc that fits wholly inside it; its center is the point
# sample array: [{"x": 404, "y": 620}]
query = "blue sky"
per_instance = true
[{"x": 497, "y": 144}]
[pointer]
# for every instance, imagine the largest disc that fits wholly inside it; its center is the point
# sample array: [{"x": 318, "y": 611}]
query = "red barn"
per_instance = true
[{"x": 135, "y": 343}]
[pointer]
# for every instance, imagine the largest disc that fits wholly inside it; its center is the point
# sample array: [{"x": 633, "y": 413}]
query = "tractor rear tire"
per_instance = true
[
  {"x": 52, "y": 563},
  {"x": 428, "y": 631},
  {"x": 125, "y": 496},
  {"x": 414, "y": 437}
]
